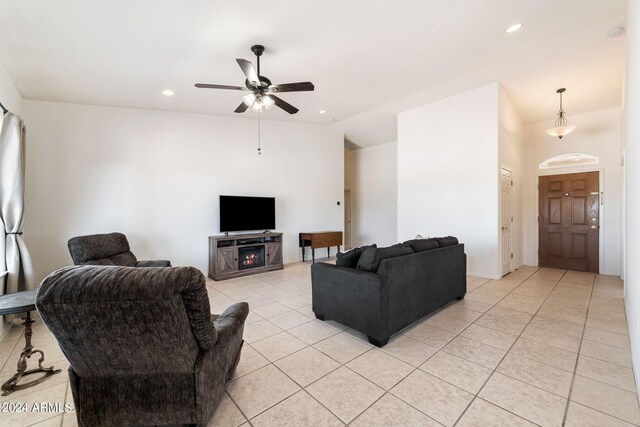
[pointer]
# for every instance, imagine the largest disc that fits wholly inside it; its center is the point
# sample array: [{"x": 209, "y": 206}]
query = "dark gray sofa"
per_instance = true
[
  {"x": 142, "y": 344},
  {"x": 400, "y": 291}
]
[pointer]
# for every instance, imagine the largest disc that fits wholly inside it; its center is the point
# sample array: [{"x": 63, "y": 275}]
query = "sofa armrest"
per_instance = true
[
  {"x": 154, "y": 263},
  {"x": 353, "y": 297}
]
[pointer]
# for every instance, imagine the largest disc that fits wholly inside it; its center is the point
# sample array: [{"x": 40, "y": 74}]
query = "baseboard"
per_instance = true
[{"x": 483, "y": 276}]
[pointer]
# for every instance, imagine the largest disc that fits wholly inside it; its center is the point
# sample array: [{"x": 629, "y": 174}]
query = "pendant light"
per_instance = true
[{"x": 561, "y": 129}]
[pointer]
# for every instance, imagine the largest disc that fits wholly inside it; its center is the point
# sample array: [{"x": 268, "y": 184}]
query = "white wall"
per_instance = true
[
  {"x": 598, "y": 133},
  {"x": 448, "y": 165},
  {"x": 156, "y": 176},
  {"x": 372, "y": 175},
  {"x": 511, "y": 157},
  {"x": 632, "y": 180},
  {"x": 9, "y": 95}
]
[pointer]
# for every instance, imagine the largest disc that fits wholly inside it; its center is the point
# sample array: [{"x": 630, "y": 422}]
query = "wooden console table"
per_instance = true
[{"x": 320, "y": 239}]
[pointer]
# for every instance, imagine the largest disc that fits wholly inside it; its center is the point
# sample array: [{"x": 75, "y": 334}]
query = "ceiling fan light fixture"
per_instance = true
[
  {"x": 249, "y": 99},
  {"x": 267, "y": 101},
  {"x": 561, "y": 128},
  {"x": 260, "y": 92}
]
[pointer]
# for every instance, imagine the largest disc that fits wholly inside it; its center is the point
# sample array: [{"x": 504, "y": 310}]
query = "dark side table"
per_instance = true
[{"x": 24, "y": 302}]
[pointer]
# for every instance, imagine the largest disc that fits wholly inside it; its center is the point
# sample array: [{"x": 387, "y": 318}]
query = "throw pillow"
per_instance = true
[
  {"x": 372, "y": 257},
  {"x": 419, "y": 245},
  {"x": 447, "y": 241},
  {"x": 350, "y": 258}
]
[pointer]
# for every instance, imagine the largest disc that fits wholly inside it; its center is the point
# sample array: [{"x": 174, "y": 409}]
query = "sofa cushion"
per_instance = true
[
  {"x": 350, "y": 258},
  {"x": 419, "y": 245},
  {"x": 446, "y": 241},
  {"x": 371, "y": 257}
]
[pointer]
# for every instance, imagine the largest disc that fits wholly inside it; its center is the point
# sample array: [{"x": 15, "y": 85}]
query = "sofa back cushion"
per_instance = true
[
  {"x": 98, "y": 314},
  {"x": 101, "y": 249},
  {"x": 419, "y": 245},
  {"x": 350, "y": 258},
  {"x": 371, "y": 257},
  {"x": 446, "y": 241}
]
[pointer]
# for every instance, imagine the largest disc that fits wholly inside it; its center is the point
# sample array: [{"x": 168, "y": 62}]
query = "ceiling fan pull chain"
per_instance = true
[{"x": 259, "y": 116}]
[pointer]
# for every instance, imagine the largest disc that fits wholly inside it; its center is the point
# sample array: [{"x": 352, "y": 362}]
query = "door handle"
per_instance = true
[{"x": 594, "y": 227}]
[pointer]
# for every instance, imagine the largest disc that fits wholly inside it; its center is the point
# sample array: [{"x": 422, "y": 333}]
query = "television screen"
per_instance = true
[{"x": 239, "y": 213}]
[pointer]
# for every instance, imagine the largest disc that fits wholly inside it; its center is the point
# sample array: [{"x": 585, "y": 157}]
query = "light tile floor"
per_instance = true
[{"x": 538, "y": 347}]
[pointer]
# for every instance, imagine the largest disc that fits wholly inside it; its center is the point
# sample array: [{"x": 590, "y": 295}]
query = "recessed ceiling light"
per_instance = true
[
  {"x": 168, "y": 92},
  {"x": 323, "y": 111},
  {"x": 513, "y": 28}
]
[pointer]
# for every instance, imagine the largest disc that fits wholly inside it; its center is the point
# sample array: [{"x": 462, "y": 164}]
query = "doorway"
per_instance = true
[
  {"x": 506, "y": 219},
  {"x": 347, "y": 219},
  {"x": 569, "y": 221}
]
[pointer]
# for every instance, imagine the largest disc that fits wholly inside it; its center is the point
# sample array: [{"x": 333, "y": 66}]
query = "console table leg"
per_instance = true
[
  {"x": 12, "y": 384},
  {"x": 328, "y": 251},
  {"x": 313, "y": 255},
  {"x": 302, "y": 251}
]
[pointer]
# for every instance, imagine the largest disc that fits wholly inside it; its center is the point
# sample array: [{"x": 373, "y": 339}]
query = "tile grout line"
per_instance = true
[
  {"x": 304, "y": 388},
  {"x": 477, "y": 395},
  {"x": 428, "y": 358},
  {"x": 440, "y": 348},
  {"x": 344, "y": 365},
  {"x": 246, "y": 419},
  {"x": 575, "y": 371}
]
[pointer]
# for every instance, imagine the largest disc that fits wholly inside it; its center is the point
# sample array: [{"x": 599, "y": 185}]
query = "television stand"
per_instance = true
[{"x": 244, "y": 254}]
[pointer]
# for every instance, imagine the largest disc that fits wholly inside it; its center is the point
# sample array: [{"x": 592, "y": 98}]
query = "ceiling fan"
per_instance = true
[{"x": 262, "y": 91}]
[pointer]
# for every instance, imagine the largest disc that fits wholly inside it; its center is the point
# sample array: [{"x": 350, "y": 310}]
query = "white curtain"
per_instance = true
[{"x": 14, "y": 256}]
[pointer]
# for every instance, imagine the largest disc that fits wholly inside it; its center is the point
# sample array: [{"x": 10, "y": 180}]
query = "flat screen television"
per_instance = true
[{"x": 241, "y": 213}]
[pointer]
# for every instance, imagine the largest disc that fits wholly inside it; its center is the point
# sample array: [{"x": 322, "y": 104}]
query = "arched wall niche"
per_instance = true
[{"x": 568, "y": 160}]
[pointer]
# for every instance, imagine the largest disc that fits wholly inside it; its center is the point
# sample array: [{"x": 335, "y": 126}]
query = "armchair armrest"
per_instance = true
[
  {"x": 154, "y": 263},
  {"x": 230, "y": 322}
]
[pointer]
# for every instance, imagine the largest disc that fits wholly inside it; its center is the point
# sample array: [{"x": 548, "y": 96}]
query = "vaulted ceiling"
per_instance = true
[{"x": 368, "y": 59}]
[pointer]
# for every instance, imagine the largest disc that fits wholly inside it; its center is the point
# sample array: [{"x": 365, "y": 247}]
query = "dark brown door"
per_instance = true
[{"x": 569, "y": 221}]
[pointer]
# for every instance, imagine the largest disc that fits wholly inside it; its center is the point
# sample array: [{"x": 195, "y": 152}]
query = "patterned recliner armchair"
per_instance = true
[
  {"x": 142, "y": 344},
  {"x": 107, "y": 249}
]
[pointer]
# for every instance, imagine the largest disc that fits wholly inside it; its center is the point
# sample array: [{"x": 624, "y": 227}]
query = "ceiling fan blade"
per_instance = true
[
  {"x": 249, "y": 71},
  {"x": 293, "y": 87},
  {"x": 210, "y": 86},
  {"x": 284, "y": 105},
  {"x": 241, "y": 108}
]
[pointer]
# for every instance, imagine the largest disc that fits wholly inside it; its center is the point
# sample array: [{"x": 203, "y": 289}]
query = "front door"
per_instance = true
[{"x": 569, "y": 221}]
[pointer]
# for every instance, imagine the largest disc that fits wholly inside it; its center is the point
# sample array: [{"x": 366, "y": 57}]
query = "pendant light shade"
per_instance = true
[{"x": 561, "y": 129}]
